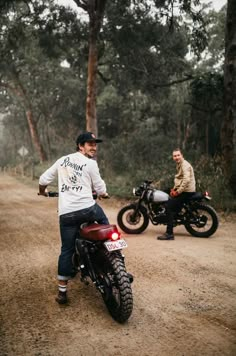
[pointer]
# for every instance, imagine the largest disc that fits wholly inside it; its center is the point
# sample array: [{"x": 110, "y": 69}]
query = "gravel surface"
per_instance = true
[{"x": 184, "y": 290}]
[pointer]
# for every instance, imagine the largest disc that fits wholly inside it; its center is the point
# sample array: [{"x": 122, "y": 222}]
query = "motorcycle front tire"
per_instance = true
[{"x": 131, "y": 221}]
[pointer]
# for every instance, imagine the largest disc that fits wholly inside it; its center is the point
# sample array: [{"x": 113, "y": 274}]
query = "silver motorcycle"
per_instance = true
[{"x": 196, "y": 215}]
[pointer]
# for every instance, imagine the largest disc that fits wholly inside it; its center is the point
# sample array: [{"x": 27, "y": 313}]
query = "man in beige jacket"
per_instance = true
[{"x": 184, "y": 188}]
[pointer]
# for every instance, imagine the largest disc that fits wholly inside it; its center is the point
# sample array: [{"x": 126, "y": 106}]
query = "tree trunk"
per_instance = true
[
  {"x": 35, "y": 137},
  {"x": 91, "y": 115},
  {"x": 228, "y": 133},
  {"x": 95, "y": 10},
  {"x": 19, "y": 91}
]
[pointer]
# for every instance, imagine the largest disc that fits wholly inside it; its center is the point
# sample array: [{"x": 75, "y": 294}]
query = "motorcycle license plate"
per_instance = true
[{"x": 115, "y": 245}]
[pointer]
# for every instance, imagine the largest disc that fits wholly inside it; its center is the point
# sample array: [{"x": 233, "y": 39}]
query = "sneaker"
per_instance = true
[
  {"x": 61, "y": 298},
  {"x": 166, "y": 236}
]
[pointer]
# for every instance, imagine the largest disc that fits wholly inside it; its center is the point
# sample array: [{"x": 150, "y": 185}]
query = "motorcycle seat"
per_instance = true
[
  {"x": 95, "y": 232},
  {"x": 196, "y": 196}
]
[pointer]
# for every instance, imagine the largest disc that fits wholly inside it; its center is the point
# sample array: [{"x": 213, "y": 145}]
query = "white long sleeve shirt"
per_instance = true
[{"x": 77, "y": 175}]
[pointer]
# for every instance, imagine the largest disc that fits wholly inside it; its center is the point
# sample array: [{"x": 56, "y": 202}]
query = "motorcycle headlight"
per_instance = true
[{"x": 137, "y": 192}]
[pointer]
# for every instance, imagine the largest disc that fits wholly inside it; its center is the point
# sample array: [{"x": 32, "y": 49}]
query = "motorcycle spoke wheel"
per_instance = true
[
  {"x": 203, "y": 221},
  {"x": 132, "y": 221},
  {"x": 117, "y": 292}
]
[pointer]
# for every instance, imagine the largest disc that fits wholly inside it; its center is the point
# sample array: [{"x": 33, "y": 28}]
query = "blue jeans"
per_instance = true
[{"x": 69, "y": 225}]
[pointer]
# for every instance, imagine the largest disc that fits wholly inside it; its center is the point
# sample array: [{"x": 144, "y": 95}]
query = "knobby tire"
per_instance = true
[{"x": 113, "y": 268}]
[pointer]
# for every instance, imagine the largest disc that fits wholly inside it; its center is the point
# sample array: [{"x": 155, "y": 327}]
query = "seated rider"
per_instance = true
[{"x": 184, "y": 188}]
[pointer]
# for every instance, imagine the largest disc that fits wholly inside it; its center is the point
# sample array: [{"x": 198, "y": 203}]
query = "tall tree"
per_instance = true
[
  {"x": 95, "y": 10},
  {"x": 127, "y": 8},
  {"x": 228, "y": 137},
  {"x": 34, "y": 42},
  {"x": 13, "y": 42},
  {"x": 15, "y": 87}
]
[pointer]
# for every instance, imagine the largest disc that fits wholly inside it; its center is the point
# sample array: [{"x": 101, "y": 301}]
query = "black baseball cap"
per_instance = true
[{"x": 87, "y": 137}]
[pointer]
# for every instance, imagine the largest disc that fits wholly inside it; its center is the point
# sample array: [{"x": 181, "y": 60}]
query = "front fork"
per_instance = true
[{"x": 138, "y": 208}]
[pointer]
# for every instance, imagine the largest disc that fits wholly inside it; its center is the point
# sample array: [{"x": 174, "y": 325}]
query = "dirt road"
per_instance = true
[{"x": 184, "y": 290}]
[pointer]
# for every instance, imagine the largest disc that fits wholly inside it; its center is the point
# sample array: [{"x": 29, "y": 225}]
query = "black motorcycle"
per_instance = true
[
  {"x": 197, "y": 216},
  {"x": 98, "y": 258}
]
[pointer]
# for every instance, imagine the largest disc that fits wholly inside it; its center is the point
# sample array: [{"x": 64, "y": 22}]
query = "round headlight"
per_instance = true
[{"x": 137, "y": 191}]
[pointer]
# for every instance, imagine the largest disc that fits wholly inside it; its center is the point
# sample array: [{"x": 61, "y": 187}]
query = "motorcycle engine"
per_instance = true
[{"x": 159, "y": 213}]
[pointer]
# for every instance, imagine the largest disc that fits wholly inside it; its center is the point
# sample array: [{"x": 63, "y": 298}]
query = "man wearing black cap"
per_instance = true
[{"x": 78, "y": 176}]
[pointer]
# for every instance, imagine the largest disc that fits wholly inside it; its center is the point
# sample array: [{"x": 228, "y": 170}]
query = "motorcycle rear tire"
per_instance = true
[
  {"x": 117, "y": 294},
  {"x": 192, "y": 228},
  {"x": 127, "y": 212}
]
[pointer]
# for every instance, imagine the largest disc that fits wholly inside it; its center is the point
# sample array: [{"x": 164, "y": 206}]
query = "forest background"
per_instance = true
[{"x": 146, "y": 76}]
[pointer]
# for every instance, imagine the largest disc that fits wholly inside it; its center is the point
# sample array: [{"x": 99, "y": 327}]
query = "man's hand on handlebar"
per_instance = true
[
  {"x": 43, "y": 191},
  {"x": 45, "y": 194},
  {"x": 104, "y": 196},
  {"x": 173, "y": 193}
]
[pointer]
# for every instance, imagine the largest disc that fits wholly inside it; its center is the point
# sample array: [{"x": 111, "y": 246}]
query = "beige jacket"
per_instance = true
[{"x": 184, "y": 179}]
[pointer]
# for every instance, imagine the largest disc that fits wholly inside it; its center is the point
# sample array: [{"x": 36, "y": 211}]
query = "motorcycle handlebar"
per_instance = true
[
  {"x": 95, "y": 196},
  {"x": 53, "y": 194}
]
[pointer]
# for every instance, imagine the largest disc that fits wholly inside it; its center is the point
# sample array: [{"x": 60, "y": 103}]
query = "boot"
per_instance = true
[
  {"x": 166, "y": 236},
  {"x": 61, "y": 298}
]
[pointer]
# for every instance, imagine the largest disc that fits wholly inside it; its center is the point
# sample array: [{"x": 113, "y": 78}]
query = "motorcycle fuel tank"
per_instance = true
[{"x": 157, "y": 196}]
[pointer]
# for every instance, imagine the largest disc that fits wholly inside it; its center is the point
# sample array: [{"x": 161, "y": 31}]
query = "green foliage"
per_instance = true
[
  {"x": 141, "y": 51},
  {"x": 210, "y": 177},
  {"x": 36, "y": 43},
  {"x": 207, "y": 110},
  {"x": 138, "y": 155},
  {"x": 212, "y": 57}
]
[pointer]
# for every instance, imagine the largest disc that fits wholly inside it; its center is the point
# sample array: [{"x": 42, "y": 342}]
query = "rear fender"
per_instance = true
[{"x": 97, "y": 232}]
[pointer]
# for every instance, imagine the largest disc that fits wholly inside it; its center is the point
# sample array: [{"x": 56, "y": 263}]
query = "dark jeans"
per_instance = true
[
  {"x": 174, "y": 205},
  {"x": 69, "y": 224}
]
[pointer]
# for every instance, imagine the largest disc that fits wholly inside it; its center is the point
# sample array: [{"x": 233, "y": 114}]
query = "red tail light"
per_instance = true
[
  {"x": 115, "y": 236},
  {"x": 207, "y": 195}
]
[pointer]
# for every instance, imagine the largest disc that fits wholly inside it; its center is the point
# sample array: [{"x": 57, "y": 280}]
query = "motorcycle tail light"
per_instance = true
[
  {"x": 115, "y": 236},
  {"x": 206, "y": 195}
]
